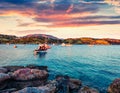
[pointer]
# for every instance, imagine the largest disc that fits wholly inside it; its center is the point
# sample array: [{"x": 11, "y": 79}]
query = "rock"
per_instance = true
[
  {"x": 4, "y": 77},
  {"x": 74, "y": 83},
  {"x": 29, "y": 90},
  {"x": 52, "y": 85},
  {"x": 3, "y": 70},
  {"x": 88, "y": 90},
  {"x": 3, "y": 85},
  {"x": 65, "y": 84},
  {"x": 22, "y": 84},
  {"x": 115, "y": 86},
  {"x": 62, "y": 85},
  {"x": 42, "y": 89},
  {"x": 32, "y": 66},
  {"x": 8, "y": 90},
  {"x": 13, "y": 68},
  {"x": 29, "y": 74},
  {"x": 47, "y": 89}
]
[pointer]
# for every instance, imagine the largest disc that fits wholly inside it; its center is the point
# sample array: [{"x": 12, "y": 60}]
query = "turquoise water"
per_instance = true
[{"x": 96, "y": 66}]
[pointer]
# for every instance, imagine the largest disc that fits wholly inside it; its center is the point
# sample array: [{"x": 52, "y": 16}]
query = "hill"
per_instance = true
[
  {"x": 42, "y": 38},
  {"x": 6, "y": 38}
]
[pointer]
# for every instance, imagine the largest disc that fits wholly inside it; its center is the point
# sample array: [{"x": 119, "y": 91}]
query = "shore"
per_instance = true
[{"x": 34, "y": 79}]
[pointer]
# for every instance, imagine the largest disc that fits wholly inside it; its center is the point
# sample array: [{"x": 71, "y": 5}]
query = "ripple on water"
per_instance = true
[{"x": 96, "y": 66}]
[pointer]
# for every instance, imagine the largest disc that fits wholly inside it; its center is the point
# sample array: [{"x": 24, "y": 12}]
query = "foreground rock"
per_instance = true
[
  {"x": 34, "y": 79},
  {"x": 43, "y": 89},
  {"x": 88, "y": 90},
  {"x": 29, "y": 74},
  {"x": 3, "y": 77},
  {"x": 65, "y": 84},
  {"x": 3, "y": 80},
  {"x": 115, "y": 86},
  {"x": 3, "y": 70}
]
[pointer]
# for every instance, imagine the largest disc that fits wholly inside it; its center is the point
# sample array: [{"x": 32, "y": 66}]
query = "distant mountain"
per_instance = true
[{"x": 41, "y": 36}]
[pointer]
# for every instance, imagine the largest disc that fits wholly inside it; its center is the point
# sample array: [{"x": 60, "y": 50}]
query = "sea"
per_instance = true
[{"x": 96, "y": 66}]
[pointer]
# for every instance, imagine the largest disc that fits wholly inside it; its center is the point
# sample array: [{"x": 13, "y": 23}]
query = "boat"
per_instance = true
[
  {"x": 67, "y": 45},
  {"x": 63, "y": 44},
  {"x": 39, "y": 51},
  {"x": 42, "y": 48},
  {"x": 90, "y": 45},
  {"x": 15, "y": 46}
]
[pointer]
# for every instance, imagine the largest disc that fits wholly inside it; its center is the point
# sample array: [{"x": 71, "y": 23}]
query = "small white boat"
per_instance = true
[
  {"x": 90, "y": 45},
  {"x": 67, "y": 45},
  {"x": 63, "y": 44},
  {"x": 15, "y": 46}
]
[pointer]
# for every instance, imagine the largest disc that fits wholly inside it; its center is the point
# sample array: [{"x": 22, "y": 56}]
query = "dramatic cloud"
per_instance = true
[
  {"x": 47, "y": 14},
  {"x": 115, "y": 3}
]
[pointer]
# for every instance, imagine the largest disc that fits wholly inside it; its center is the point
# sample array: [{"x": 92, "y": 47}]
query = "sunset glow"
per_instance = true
[{"x": 61, "y": 18}]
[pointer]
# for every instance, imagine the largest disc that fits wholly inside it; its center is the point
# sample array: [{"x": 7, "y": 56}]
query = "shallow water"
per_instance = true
[{"x": 96, "y": 66}]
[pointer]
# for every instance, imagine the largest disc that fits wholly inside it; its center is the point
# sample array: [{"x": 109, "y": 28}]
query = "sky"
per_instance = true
[{"x": 61, "y": 18}]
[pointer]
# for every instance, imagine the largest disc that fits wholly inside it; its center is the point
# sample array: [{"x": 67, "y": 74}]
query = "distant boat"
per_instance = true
[
  {"x": 68, "y": 45},
  {"x": 7, "y": 43},
  {"x": 90, "y": 45},
  {"x": 53, "y": 44},
  {"x": 63, "y": 44},
  {"x": 15, "y": 46}
]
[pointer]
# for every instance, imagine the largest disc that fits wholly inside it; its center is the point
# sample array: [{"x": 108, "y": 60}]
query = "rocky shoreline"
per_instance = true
[{"x": 34, "y": 79}]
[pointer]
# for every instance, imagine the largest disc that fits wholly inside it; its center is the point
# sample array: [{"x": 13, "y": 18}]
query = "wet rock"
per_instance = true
[
  {"x": 42, "y": 89},
  {"x": 29, "y": 90},
  {"x": 74, "y": 83},
  {"x": 62, "y": 85},
  {"x": 3, "y": 70},
  {"x": 29, "y": 74},
  {"x": 13, "y": 68},
  {"x": 8, "y": 90},
  {"x": 115, "y": 86},
  {"x": 4, "y": 77},
  {"x": 3, "y": 85},
  {"x": 22, "y": 84},
  {"x": 88, "y": 90},
  {"x": 65, "y": 84},
  {"x": 52, "y": 85},
  {"x": 32, "y": 66}
]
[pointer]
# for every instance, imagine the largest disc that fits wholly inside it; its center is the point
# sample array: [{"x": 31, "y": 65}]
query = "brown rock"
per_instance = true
[
  {"x": 74, "y": 83},
  {"x": 115, "y": 86},
  {"x": 88, "y": 90}
]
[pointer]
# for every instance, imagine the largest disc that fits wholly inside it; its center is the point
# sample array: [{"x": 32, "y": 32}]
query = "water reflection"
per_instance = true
[{"x": 41, "y": 54}]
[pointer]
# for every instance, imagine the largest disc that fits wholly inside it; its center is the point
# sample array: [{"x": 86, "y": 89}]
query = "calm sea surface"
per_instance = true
[{"x": 96, "y": 66}]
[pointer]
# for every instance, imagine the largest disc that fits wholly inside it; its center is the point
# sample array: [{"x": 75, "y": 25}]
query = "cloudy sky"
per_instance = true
[{"x": 61, "y": 18}]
